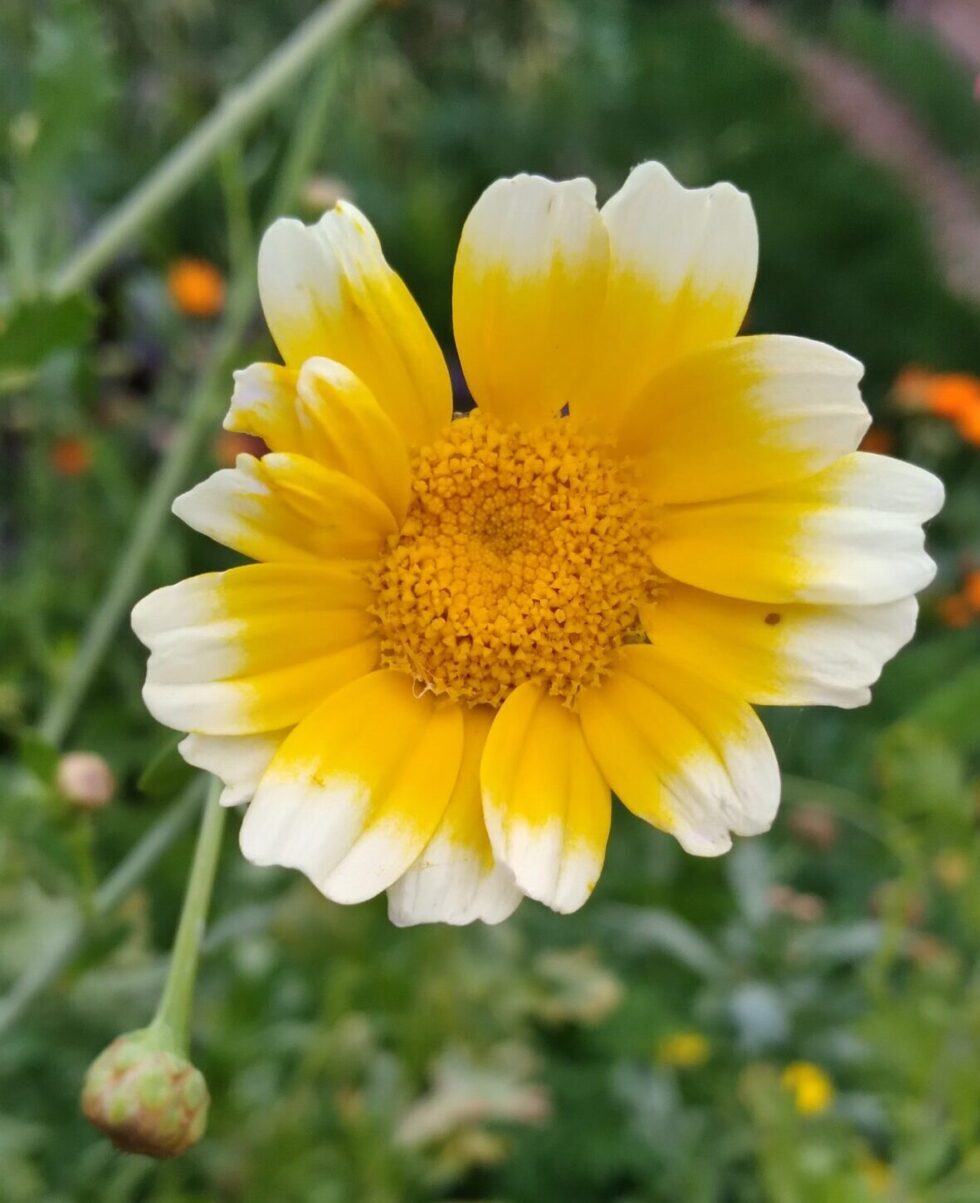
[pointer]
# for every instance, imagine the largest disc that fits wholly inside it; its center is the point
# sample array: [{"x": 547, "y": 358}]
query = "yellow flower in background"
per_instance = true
[
  {"x": 878, "y": 1174},
  {"x": 683, "y": 1050},
  {"x": 461, "y": 636},
  {"x": 196, "y": 287},
  {"x": 811, "y": 1088}
]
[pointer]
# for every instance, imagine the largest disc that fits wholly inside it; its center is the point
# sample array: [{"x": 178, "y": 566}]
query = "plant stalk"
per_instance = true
[
  {"x": 173, "y": 1015},
  {"x": 232, "y": 116}
]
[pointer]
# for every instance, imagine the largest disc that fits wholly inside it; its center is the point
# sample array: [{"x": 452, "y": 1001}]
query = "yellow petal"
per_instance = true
[
  {"x": 682, "y": 267},
  {"x": 286, "y": 507},
  {"x": 679, "y": 753},
  {"x": 455, "y": 878},
  {"x": 851, "y": 534},
  {"x": 742, "y": 416},
  {"x": 356, "y": 791},
  {"x": 345, "y": 428},
  {"x": 546, "y": 804},
  {"x": 327, "y": 290},
  {"x": 253, "y": 649},
  {"x": 777, "y": 654},
  {"x": 325, "y": 413},
  {"x": 528, "y": 284}
]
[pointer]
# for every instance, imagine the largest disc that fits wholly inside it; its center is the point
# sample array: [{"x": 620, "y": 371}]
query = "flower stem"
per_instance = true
[
  {"x": 173, "y": 1015},
  {"x": 234, "y": 114},
  {"x": 51, "y": 960}
]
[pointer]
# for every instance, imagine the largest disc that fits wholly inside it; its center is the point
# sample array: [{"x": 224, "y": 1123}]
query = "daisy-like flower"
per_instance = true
[{"x": 462, "y": 636}]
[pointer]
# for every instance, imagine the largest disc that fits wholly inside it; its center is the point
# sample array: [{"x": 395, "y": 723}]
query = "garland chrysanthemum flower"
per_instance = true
[{"x": 462, "y": 636}]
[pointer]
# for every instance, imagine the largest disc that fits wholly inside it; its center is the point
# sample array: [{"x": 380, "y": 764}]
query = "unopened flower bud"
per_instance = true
[
  {"x": 145, "y": 1097},
  {"x": 322, "y": 193},
  {"x": 814, "y": 826},
  {"x": 85, "y": 780}
]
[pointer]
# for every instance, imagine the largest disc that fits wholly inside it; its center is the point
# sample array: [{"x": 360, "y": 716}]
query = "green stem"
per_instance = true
[
  {"x": 113, "y": 890},
  {"x": 233, "y": 115},
  {"x": 173, "y": 1016}
]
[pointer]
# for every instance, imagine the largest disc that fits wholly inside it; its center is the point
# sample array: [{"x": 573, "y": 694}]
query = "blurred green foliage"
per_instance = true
[{"x": 351, "y": 1061}]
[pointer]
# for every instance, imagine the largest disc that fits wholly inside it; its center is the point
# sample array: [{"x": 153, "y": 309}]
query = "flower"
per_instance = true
[
  {"x": 146, "y": 1097},
  {"x": 955, "y": 611},
  {"x": 71, "y": 456},
  {"x": 683, "y": 1050},
  {"x": 971, "y": 589},
  {"x": 951, "y": 395},
  {"x": 196, "y": 287},
  {"x": 85, "y": 780},
  {"x": 811, "y": 1088},
  {"x": 878, "y": 1174},
  {"x": 878, "y": 440},
  {"x": 461, "y": 636}
]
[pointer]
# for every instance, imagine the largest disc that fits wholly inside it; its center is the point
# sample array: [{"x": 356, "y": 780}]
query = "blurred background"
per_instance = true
[{"x": 798, "y": 1022}]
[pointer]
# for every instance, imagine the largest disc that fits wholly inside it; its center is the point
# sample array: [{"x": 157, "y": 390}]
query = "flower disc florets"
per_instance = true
[{"x": 524, "y": 557}]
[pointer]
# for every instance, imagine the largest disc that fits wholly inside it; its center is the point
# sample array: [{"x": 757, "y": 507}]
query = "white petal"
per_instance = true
[{"x": 238, "y": 760}]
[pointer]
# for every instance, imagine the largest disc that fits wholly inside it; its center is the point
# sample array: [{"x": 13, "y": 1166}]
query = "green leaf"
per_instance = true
[
  {"x": 33, "y": 330},
  {"x": 648, "y": 929},
  {"x": 167, "y": 772}
]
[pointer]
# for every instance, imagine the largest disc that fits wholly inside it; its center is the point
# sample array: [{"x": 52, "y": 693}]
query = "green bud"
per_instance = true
[{"x": 145, "y": 1097}]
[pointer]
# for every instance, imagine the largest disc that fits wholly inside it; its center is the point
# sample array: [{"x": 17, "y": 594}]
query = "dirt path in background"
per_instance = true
[{"x": 882, "y": 128}]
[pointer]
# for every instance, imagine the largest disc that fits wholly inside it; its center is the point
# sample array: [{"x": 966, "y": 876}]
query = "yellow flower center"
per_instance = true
[{"x": 524, "y": 557}]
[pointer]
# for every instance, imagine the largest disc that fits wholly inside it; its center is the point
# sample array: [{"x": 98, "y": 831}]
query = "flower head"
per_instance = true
[
  {"x": 145, "y": 1097},
  {"x": 811, "y": 1088},
  {"x": 461, "y": 636},
  {"x": 954, "y": 396},
  {"x": 71, "y": 456},
  {"x": 196, "y": 287},
  {"x": 683, "y": 1050},
  {"x": 85, "y": 780}
]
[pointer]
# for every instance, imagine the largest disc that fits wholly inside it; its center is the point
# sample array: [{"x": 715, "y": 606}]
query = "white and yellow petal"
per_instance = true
[
  {"x": 356, "y": 791},
  {"x": 285, "y": 507},
  {"x": 849, "y": 535},
  {"x": 327, "y": 414},
  {"x": 327, "y": 290},
  {"x": 546, "y": 805},
  {"x": 682, "y": 265},
  {"x": 743, "y": 415},
  {"x": 253, "y": 649},
  {"x": 236, "y": 760},
  {"x": 528, "y": 284},
  {"x": 681, "y": 754},
  {"x": 263, "y": 404},
  {"x": 776, "y": 654},
  {"x": 455, "y": 878}
]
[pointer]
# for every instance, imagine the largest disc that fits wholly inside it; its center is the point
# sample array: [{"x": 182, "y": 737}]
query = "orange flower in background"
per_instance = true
[
  {"x": 878, "y": 440},
  {"x": 196, "y": 287},
  {"x": 954, "y": 611},
  {"x": 229, "y": 445},
  {"x": 961, "y": 609},
  {"x": 70, "y": 456},
  {"x": 954, "y": 396}
]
